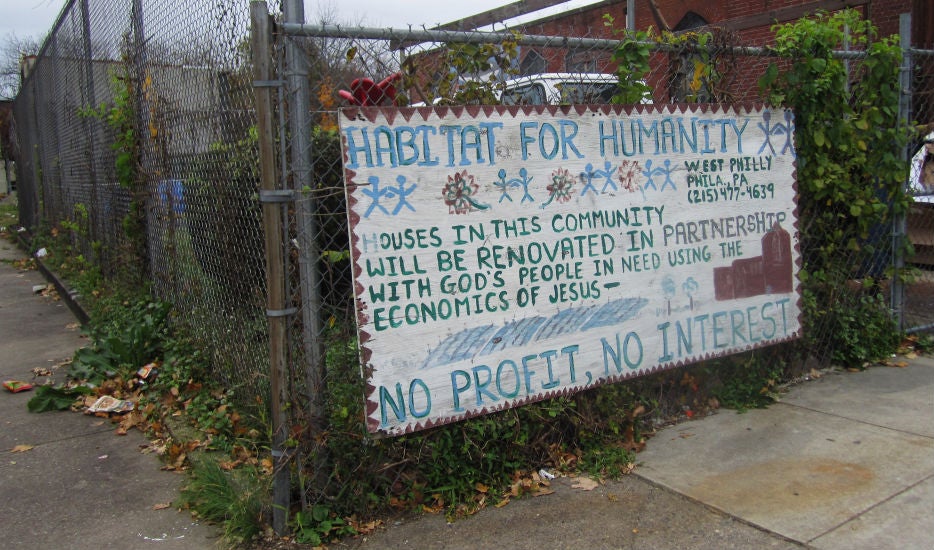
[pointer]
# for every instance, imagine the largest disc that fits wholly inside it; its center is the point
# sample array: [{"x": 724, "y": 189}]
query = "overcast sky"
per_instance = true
[{"x": 34, "y": 18}]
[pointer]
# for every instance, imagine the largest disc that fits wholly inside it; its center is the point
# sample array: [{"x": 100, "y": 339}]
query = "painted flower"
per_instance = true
[
  {"x": 459, "y": 193},
  {"x": 562, "y": 186},
  {"x": 628, "y": 171}
]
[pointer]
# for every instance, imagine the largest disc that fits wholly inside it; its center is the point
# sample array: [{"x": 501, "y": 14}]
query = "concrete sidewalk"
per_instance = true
[
  {"x": 79, "y": 486},
  {"x": 846, "y": 461}
]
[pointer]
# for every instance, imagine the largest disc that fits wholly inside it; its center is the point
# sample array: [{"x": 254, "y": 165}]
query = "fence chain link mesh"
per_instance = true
[
  {"x": 918, "y": 302},
  {"x": 726, "y": 71},
  {"x": 176, "y": 75},
  {"x": 183, "y": 71}
]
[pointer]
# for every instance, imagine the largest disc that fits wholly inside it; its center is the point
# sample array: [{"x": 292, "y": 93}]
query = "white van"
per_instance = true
[{"x": 561, "y": 89}]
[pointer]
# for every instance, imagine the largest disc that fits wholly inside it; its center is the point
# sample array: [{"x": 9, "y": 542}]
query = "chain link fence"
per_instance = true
[
  {"x": 146, "y": 107},
  {"x": 918, "y": 304},
  {"x": 136, "y": 125},
  {"x": 424, "y": 67}
]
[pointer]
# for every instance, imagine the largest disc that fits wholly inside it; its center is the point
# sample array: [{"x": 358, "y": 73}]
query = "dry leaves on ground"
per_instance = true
[{"x": 584, "y": 483}]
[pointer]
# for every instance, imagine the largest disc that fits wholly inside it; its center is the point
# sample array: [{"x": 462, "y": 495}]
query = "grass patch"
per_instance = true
[
  {"x": 9, "y": 213},
  {"x": 238, "y": 500}
]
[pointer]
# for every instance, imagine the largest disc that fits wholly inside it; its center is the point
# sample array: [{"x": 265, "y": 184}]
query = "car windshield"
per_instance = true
[
  {"x": 531, "y": 94},
  {"x": 587, "y": 92}
]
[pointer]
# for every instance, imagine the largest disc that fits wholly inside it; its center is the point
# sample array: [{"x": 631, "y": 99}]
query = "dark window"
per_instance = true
[{"x": 533, "y": 63}]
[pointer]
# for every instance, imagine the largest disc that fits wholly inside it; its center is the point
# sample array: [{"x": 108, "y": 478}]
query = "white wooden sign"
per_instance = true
[{"x": 504, "y": 255}]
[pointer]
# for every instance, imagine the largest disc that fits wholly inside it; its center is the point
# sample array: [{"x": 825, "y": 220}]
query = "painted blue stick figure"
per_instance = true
[
  {"x": 505, "y": 185},
  {"x": 608, "y": 172},
  {"x": 649, "y": 173},
  {"x": 401, "y": 192},
  {"x": 668, "y": 181},
  {"x": 767, "y": 130},
  {"x": 375, "y": 193},
  {"x": 589, "y": 174},
  {"x": 777, "y": 129},
  {"x": 786, "y": 129}
]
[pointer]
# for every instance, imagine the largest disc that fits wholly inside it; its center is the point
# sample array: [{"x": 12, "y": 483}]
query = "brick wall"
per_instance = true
[{"x": 590, "y": 23}]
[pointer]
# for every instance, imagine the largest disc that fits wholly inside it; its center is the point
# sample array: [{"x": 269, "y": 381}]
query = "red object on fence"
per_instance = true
[{"x": 366, "y": 93}]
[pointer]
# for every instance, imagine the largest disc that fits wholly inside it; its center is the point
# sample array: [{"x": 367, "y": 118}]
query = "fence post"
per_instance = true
[
  {"x": 97, "y": 231},
  {"x": 49, "y": 101},
  {"x": 901, "y": 219},
  {"x": 137, "y": 66},
  {"x": 260, "y": 38},
  {"x": 36, "y": 193},
  {"x": 308, "y": 254}
]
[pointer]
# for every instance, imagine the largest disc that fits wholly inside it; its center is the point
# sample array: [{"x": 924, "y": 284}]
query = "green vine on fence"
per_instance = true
[
  {"x": 485, "y": 66},
  {"x": 121, "y": 117},
  {"x": 699, "y": 63},
  {"x": 849, "y": 171},
  {"x": 632, "y": 64}
]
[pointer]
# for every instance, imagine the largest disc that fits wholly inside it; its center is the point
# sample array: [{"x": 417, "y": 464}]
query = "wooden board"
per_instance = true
[{"x": 504, "y": 255}]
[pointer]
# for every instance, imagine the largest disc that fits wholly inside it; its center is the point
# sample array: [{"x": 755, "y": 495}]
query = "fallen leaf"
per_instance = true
[
  {"x": 41, "y": 371},
  {"x": 22, "y": 448},
  {"x": 584, "y": 484},
  {"x": 162, "y": 506},
  {"x": 228, "y": 465},
  {"x": 365, "y": 528}
]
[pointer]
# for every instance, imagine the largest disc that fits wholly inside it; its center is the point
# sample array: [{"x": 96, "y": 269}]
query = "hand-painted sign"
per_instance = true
[{"x": 504, "y": 255}]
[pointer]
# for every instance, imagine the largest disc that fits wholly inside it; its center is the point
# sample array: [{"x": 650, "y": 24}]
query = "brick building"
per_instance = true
[
  {"x": 750, "y": 19},
  {"x": 740, "y": 22}
]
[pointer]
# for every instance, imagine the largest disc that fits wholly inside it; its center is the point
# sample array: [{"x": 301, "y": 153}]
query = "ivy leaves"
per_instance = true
[
  {"x": 850, "y": 172},
  {"x": 632, "y": 59}
]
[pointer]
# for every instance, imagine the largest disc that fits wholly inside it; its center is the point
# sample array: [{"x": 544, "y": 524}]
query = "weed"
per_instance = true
[
  {"x": 318, "y": 525},
  {"x": 607, "y": 461},
  {"x": 132, "y": 337},
  {"x": 862, "y": 330},
  {"x": 921, "y": 343},
  {"x": 55, "y": 398},
  {"x": 237, "y": 500},
  {"x": 9, "y": 216},
  {"x": 748, "y": 381}
]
